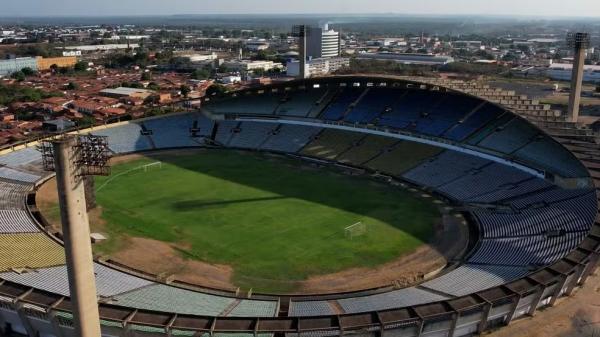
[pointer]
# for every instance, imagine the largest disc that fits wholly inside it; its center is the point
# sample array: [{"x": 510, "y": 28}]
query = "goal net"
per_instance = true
[
  {"x": 356, "y": 230},
  {"x": 145, "y": 168}
]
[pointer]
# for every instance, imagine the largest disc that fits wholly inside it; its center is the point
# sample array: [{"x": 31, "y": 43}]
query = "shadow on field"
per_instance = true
[
  {"x": 190, "y": 205},
  {"x": 288, "y": 178}
]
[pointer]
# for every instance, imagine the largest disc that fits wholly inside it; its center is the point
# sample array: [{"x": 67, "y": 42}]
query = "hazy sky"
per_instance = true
[{"x": 151, "y": 7}]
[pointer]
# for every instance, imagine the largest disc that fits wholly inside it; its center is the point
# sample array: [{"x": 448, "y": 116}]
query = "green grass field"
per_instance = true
[{"x": 272, "y": 220}]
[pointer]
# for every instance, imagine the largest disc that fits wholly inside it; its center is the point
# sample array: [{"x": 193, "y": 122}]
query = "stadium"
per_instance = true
[{"x": 528, "y": 204}]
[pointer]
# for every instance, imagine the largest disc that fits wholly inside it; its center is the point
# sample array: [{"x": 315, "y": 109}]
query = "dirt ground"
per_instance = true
[
  {"x": 162, "y": 259},
  {"x": 575, "y": 316}
]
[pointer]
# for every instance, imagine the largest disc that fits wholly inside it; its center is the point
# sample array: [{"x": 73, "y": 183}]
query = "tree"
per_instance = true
[
  {"x": 80, "y": 66},
  {"x": 146, "y": 76},
  {"x": 200, "y": 74},
  {"x": 19, "y": 76},
  {"x": 153, "y": 86},
  {"x": 216, "y": 89},
  {"x": 28, "y": 71},
  {"x": 185, "y": 90},
  {"x": 72, "y": 86}
]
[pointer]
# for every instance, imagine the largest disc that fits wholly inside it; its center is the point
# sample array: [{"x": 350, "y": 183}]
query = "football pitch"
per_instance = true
[{"x": 273, "y": 220}]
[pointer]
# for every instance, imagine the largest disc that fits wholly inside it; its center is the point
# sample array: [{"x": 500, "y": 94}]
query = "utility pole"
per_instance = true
[{"x": 73, "y": 158}]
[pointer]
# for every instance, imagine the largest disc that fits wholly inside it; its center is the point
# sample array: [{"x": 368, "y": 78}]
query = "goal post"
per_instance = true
[
  {"x": 358, "y": 229},
  {"x": 145, "y": 168}
]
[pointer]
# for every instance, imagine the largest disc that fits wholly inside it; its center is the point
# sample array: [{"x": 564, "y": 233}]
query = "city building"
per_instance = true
[
  {"x": 13, "y": 65},
  {"x": 322, "y": 42},
  {"x": 563, "y": 71},
  {"x": 257, "y": 45},
  {"x": 126, "y": 92},
  {"x": 249, "y": 66},
  {"x": 318, "y": 67},
  {"x": 418, "y": 59},
  {"x": 61, "y": 62},
  {"x": 194, "y": 56}
]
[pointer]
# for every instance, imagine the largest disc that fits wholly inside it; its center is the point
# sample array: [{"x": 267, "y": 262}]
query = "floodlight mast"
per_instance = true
[
  {"x": 73, "y": 158},
  {"x": 579, "y": 42}
]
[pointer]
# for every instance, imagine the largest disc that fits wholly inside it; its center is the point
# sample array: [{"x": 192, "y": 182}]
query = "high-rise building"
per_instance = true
[{"x": 322, "y": 42}]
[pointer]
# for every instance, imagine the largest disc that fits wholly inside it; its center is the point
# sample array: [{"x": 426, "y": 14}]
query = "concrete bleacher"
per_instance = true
[
  {"x": 299, "y": 103},
  {"x": 12, "y": 195},
  {"x": 21, "y": 157},
  {"x": 262, "y": 104},
  {"x": 254, "y": 308},
  {"x": 366, "y": 150},
  {"x": 402, "y": 157},
  {"x": 125, "y": 138},
  {"x": 252, "y": 135},
  {"x": 290, "y": 138},
  {"x": 470, "y": 278},
  {"x": 16, "y": 221},
  {"x": 393, "y": 299},
  {"x": 444, "y": 168},
  {"x": 16, "y": 175},
  {"x": 29, "y": 250},
  {"x": 174, "y": 131},
  {"x": 341, "y": 103},
  {"x": 225, "y": 131},
  {"x": 109, "y": 282},
  {"x": 331, "y": 143},
  {"x": 525, "y": 251},
  {"x": 510, "y": 137},
  {"x": 171, "y": 299},
  {"x": 310, "y": 308},
  {"x": 560, "y": 161}
]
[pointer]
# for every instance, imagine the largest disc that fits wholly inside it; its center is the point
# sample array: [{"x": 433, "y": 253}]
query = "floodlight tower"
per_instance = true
[
  {"x": 74, "y": 158},
  {"x": 300, "y": 32},
  {"x": 579, "y": 42}
]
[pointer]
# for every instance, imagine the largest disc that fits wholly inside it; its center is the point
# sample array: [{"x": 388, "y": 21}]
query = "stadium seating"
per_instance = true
[
  {"x": 254, "y": 308},
  {"x": 109, "y": 282},
  {"x": 29, "y": 250},
  {"x": 310, "y": 308},
  {"x": 372, "y": 104},
  {"x": 561, "y": 161},
  {"x": 174, "y": 131},
  {"x": 473, "y": 122},
  {"x": 263, "y": 104},
  {"x": 393, "y": 299},
  {"x": 12, "y": 195},
  {"x": 16, "y": 221},
  {"x": 21, "y": 157},
  {"x": 446, "y": 167},
  {"x": 331, "y": 143},
  {"x": 446, "y": 113},
  {"x": 290, "y": 138},
  {"x": 225, "y": 131},
  {"x": 471, "y": 278},
  {"x": 125, "y": 138},
  {"x": 252, "y": 135},
  {"x": 510, "y": 137},
  {"x": 14, "y": 175},
  {"x": 171, "y": 299},
  {"x": 536, "y": 250},
  {"x": 402, "y": 157},
  {"x": 299, "y": 103},
  {"x": 341, "y": 103},
  {"x": 366, "y": 150}
]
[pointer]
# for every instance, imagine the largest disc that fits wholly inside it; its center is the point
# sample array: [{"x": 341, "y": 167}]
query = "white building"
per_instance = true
[
  {"x": 322, "y": 42},
  {"x": 562, "y": 71},
  {"x": 418, "y": 59},
  {"x": 249, "y": 65},
  {"x": 257, "y": 44},
  {"x": 318, "y": 67}
]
